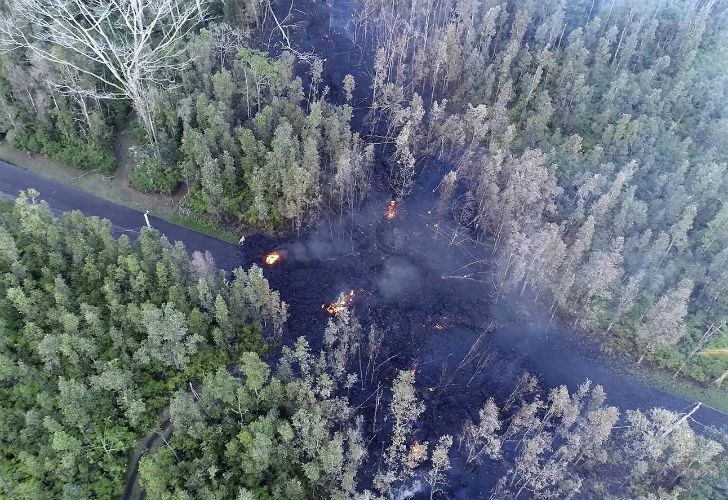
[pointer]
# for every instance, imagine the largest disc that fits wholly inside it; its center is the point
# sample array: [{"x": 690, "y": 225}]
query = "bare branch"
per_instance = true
[{"x": 126, "y": 46}]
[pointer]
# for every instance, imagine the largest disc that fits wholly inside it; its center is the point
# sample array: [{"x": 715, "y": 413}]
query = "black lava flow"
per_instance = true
[
  {"x": 400, "y": 275},
  {"x": 463, "y": 345}
]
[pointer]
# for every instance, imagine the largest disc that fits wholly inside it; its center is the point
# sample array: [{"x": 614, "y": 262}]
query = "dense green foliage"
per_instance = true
[
  {"x": 149, "y": 175},
  {"x": 70, "y": 150},
  {"x": 588, "y": 138},
  {"x": 70, "y": 128},
  {"x": 587, "y": 147},
  {"x": 288, "y": 435},
  {"x": 97, "y": 334},
  {"x": 251, "y": 144},
  {"x": 282, "y": 437},
  {"x": 100, "y": 335}
]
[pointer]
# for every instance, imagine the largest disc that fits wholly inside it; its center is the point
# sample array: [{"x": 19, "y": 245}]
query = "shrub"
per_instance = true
[
  {"x": 79, "y": 154},
  {"x": 137, "y": 130},
  {"x": 150, "y": 174}
]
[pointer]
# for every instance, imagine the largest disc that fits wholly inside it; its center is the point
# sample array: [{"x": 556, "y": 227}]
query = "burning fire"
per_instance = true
[
  {"x": 418, "y": 451},
  {"x": 272, "y": 258},
  {"x": 391, "y": 210},
  {"x": 341, "y": 305}
]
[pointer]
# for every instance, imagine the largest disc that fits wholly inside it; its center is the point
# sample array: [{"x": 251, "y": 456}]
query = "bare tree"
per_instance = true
[
  {"x": 129, "y": 47},
  {"x": 700, "y": 346},
  {"x": 227, "y": 40},
  {"x": 401, "y": 458},
  {"x": 481, "y": 439},
  {"x": 436, "y": 477},
  {"x": 447, "y": 189},
  {"x": 203, "y": 264}
]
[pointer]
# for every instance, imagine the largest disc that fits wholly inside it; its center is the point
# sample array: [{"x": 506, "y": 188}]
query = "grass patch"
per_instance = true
[
  {"x": 108, "y": 188},
  {"x": 657, "y": 372},
  {"x": 204, "y": 227},
  {"x": 97, "y": 183},
  {"x": 711, "y": 394},
  {"x": 6, "y": 206}
]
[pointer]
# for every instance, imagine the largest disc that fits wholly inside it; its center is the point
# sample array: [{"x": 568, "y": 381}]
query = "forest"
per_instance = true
[
  {"x": 575, "y": 151},
  {"x": 100, "y": 334}
]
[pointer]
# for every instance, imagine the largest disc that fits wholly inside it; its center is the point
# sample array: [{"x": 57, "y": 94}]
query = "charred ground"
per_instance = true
[
  {"x": 440, "y": 315},
  {"x": 464, "y": 343}
]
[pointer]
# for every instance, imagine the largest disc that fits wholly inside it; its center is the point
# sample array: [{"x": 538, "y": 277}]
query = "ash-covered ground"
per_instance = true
[{"x": 404, "y": 282}]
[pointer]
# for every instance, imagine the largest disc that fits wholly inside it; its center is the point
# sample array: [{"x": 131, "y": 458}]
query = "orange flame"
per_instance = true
[
  {"x": 391, "y": 210},
  {"x": 341, "y": 305},
  {"x": 438, "y": 326},
  {"x": 418, "y": 451},
  {"x": 272, "y": 258}
]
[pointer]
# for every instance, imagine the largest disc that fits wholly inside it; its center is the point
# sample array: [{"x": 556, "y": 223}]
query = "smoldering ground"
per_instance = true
[
  {"x": 431, "y": 296},
  {"x": 396, "y": 270},
  {"x": 438, "y": 320}
]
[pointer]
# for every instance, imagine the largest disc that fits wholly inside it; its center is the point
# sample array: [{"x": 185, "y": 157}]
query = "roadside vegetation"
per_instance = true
[
  {"x": 97, "y": 333},
  {"x": 583, "y": 144},
  {"x": 100, "y": 335}
]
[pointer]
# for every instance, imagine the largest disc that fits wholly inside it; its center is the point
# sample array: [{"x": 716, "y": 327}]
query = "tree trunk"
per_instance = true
[
  {"x": 681, "y": 420},
  {"x": 588, "y": 18},
  {"x": 619, "y": 44},
  {"x": 144, "y": 106},
  {"x": 682, "y": 366},
  {"x": 672, "y": 241}
]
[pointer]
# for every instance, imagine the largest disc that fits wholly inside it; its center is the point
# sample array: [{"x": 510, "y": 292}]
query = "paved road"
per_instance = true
[{"x": 62, "y": 198}]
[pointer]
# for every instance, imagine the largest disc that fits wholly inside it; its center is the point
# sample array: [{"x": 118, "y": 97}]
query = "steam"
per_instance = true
[{"x": 400, "y": 280}]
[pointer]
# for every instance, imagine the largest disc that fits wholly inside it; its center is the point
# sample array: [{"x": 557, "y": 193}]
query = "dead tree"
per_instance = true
[{"x": 128, "y": 47}]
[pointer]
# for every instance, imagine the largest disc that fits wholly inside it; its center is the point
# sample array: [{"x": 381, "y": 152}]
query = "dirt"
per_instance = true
[{"x": 154, "y": 439}]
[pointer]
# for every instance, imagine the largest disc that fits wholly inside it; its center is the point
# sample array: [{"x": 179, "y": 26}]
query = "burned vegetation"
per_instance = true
[{"x": 463, "y": 220}]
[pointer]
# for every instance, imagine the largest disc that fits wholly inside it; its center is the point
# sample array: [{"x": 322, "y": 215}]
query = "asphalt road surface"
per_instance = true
[{"x": 62, "y": 198}]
